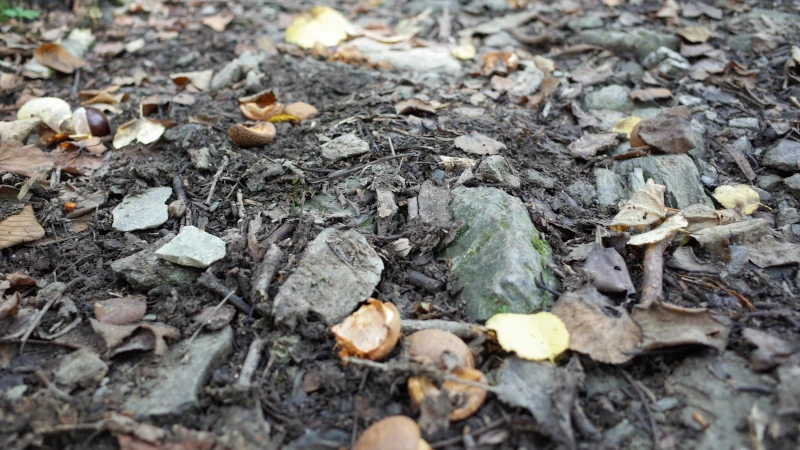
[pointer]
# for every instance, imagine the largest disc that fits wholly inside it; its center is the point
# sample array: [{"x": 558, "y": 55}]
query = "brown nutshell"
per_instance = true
[
  {"x": 428, "y": 347},
  {"x": 255, "y": 136},
  {"x": 392, "y": 433}
]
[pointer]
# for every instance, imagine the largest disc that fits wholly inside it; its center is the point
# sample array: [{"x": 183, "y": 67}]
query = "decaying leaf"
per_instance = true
[
  {"x": 53, "y": 112},
  {"x": 142, "y": 336},
  {"x": 478, "y": 144},
  {"x": 213, "y": 318},
  {"x": 122, "y": 310},
  {"x": 665, "y": 325},
  {"x": 626, "y": 125},
  {"x": 670, "y": 131},
  {"x": 20, "y": 228},
  {"x": 218, "y": 22},
  {"x": 717, "y": 240},
  {"x": 770, "y": 251},
  {"x": 371, "y": 332},
  {"x": 644, "y": 208},
  {"x": 324, "y": 25},
  {"x": 261, "y": 106},
  {"x": 57, "y": 58},
  {"x": 18, "y": 130},
  {"x": 79, "y": 158},
  {"x": 200, "y": 79},
  {"x": 536, "y": 337},
  {"x": 696, "y": 34},
  {"x": 740, "y": 196},
  {"x": 500, "y": 63},
  {"x": 413, "y": 106},
  {"x": 650, "y": 94},
  {"x": 590, "y": 144},
  {"x": 771, "y": 350},
  {"x": 608, "y": 271},
  {"x": 141, "y": 130},
  {"x": 701, "y": 216},
  {"x": 664, "y": 231},
  {"x": 596, "y": 326},
  {"x": 25, "y": 160}
]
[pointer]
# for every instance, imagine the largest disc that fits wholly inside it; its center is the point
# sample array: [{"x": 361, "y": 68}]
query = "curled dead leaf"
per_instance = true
[
  {"x": 371, "y": 332},
  {"x": 500, "y": 63},
  {"x": 665, "y": 325},
  {"x": 141, "y": 336},
  {"x": 670, "y": 131},
  {"x": 122, "y": 310},
  {"x": 57, "y": 58},
  {"x": 200, "y": 79},
  {"x": 644, "y": 208},
  {"x": 20, "y": 228},
  {"x": 650, "y": 94},
  {"x": 413, "y": 106},
  {"x": 25, "y": 160},
  {"x": 142, "y": 130}
]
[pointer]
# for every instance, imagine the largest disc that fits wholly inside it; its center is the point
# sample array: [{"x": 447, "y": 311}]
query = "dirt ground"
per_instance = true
[{"x": 283, "y": 194}]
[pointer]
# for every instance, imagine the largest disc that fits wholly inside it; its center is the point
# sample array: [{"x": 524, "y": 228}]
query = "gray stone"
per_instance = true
[
  {"x": 784, "y": 156},
  {"x": 497, "y": 169},
  {"x": 769, "y": 182},
  {"x": 666, "y": 61},
  {"x": 187, "y": 59},
  {"x": 337, "y": 271},
  {"x": 763, "y": 195},
  {"x": 539, "y": 179},
  {"x": 81, "y": 368},
  {"x": 617, "y": 435},
  {"x": 740, "y": 42},
  {"x": 412, "y": 60},
  {"x": 527, "y": 83},
  {"x": 142, "y": 211},
  {"x": 470, "y": 112},
  {"x": 433, "y": 205},
  {"x": 689, "y": 100},
  {"x": 665, "y": 404},
  {"x": 585, "y": 23},
  {"x": 640, "y": 43},
  {"x": 703, "y": 385},
  {"x": 193, "y": 247},
  {"x": 609, "y": 186},
  {"x": 498, "y": 255},
  {"x": 750, "y": 123},
  {"x": 500, "y": 40},
  {"x": 786, "y": 216},
  {"x": 179, "y": 133},
  {"x": 344, "y": 146},
  {"x": 231, "y": 73},
  {"x": 179, "y": 377},
  {"x": 252, "y": 82},
  {"x": 583, "y": 192},
  {"x": 793, "y": 183},
  {"x": 613, "y": 97},
  {"x": 144, "y": 270},
  {"x": 677, "y": 172}
]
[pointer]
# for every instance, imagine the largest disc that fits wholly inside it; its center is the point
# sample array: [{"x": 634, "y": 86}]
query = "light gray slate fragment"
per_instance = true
[
  {"x": 527, "y": 83},
  {"x": 677, "y": 172},
  {"x": 145, "y": 270},
  {"x": 497, "y": 169},
  {"x": 433, "y": 204},
  {"x": 180, "y": 376},
  {"x": 337, "y": 272},
  {"x": 80, "y": 368},
  {"x": 609, "y": 186},
  {"x": 640, "y": 42},
  {"x": 498, "y": 255},
  {"x": 412, "y": 60},
  {"x": 194, "y": 248},
  {"x": 142, "y": 211},
  {"x": 784, "y": 156},
  {"x": 614, "y": 97},
  {"x": 343, "y": 147}
]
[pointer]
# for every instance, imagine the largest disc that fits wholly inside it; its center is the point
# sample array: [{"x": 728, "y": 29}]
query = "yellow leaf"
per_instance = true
[
  {"x": 740, "y": 196},
  {"x": 626, "y": 125},
  {"x": 283, "y": 118},
  {"x": 645, "y": 207},
  {"x": 324, "y": 25},
  {"x": 663, "y": 231},
  {"x": 536, "y": 337}
]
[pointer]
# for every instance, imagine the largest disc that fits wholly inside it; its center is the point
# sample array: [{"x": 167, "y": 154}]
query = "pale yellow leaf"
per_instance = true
[
  {"x": 664, "y": 231},
  {"x": 645, "y": 207},
  {"x": 739, "y": 196},
  {"x": 536, "y": 337},
  {"x": 626, "y": 125},
  {"x": 324, "y": 25},
  {"x": 143, "y": 130}
]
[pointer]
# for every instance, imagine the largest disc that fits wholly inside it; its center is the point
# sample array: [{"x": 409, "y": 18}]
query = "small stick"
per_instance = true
[
  {"x": 281, "y": 233},
  {"x": 646, "y": 405},
  {"x": 214, "y": 180},
  {"x": 251, "y": 361},
  {"x": 460, "y": 329},
  {"x": 343, "y": 172},
  {"x": 653, "y": 276},
  {"x": 210, "y": 282},
  {"x": 265, "y": 273},
  {"x": 203, "y": 324}
]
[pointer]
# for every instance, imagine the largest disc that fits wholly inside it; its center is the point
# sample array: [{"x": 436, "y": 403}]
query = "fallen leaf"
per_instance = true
[
  {"x": 371, "y": 332},
  {"x": 142, "y": 130},
  {"x": 536, "y": 337},
  {"x": 771, "y": 351},
  {"x": 740, "y": 196},
  {"x": 256, "y": 136},
  {"x": 413, "y": 106},
  {"x": 664, "y": 231},
  {"x": 650, "y": 94},
  {"x": 219, "y": 21},
  {"x": 77, "y": 160},
  {"x": 696, "y": 34},
  {"x": 301, "y": 110},
  {"x": 670, "y": 131},
  {"x": 53, "y": 112},
  {"x": 590, "y": 144},
  {"x": 717, "y": 240},
  {"x": 142, "y": 336},
  {"x": 20, "y": 228},
  {"x": 215, "y": 319},
  {"x": 770, "y": 251},
  {"x": 108, "y": 49},
  {"x": 200, "y": 79},
  {"x": 57, "y": 58},
  {"x": 500, "y": 63},
  {"x": 665, "y": 325},
  {"x": 260, "y": 106},
  {"x": 701, "y": 216},
  {"x": 25, "y": 160},
  {"x": 324, "y": 25},
  {"x": 596, "y": 326},
  {"x": 478, "y": 144},
  {"x": 135, "y": 45},
  {"x": 18, "y": 130},
  {"x": 644, "y": 208},
  {"x": 122, "y": 310},
  {"x": 626, "y": 125},
  {"x": 608, "y": 271}
]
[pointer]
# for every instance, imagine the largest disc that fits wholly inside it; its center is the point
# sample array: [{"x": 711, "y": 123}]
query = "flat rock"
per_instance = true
[
  {"x": 539, "y": 179},
  {"x": 614, "y": 97},
  {"x": 526, "y": 83},
  {"x": 641, "y": 42},
  {"x": 337, "y": 271},
  {"x": 410, "y": 60},
  {"x": 142, "y": 211},
  {"x": 478, "y": 144},
  {"x": 784, "y": 156},
  {"x": 193, "y": 247},
  {"x": 793, "y": 182},
  {"x": 433, "y": 204},
  {"x": 677, "y": 172},
  {"x": 344, "y": 146},
  {"x": 703, "y": 383},
  {"x": 145, "y": 270},
  {"x": 179, "y": 376},
  {"x": 81, "y": 368},
  {"x": 498, "y": 254},
  {"x": 609, "y": 186},
  {"x": 497, "y": 169}
]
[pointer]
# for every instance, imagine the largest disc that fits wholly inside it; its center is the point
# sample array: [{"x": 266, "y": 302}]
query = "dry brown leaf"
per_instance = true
[
  {"x": 666, "y": 230},
  {"x": 219, "y": 21},
  {"x": 78, "y": 160},
  {"x": 590, "y": 144},
  {"x": 696, "y": 34},
  {"x": 57, "y": 58},
  {"x": 597, "y": 327},
  {"x": 142, "y": 336},
  {"x": 701, "y": 216},
  {"x": 200, "y": 79},
  {"x": 122, "y": 310},
  {"x": 670, "y": 131},
  {"x": 478, "y": 144},
  {"x": 20, "y": 228},
  {"x": 644, "y": 208},
  {"x": 25, "y": 160},
  {"x": 413, "y": 106},
  {"x": 771, "y": 350},
  {"x": 500, "y": 63},
  {"x": 213, "y": 318},
  {"x": 717, "y": 240},
  {"x": 650, "y": 94},
  {"x": 665, "y": 325}
]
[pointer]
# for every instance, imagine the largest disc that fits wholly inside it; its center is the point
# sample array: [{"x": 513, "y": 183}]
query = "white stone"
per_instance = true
[
  {"x": 343, "y": 147},
  {"x": 194, "y": 248},
  {"x": 142, "y": 211}
]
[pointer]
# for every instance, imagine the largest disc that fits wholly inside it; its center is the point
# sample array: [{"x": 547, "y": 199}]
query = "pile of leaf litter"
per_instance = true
[{"x": 474, "y": 224}]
